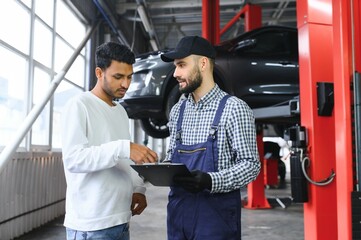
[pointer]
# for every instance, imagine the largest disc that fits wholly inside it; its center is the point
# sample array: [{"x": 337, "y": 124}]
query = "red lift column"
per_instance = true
[
  {"x": 315, "y": 40},
  {"x": 255, "y": 190},
  {"x": 210, "y": 20},
  {"x": 210, "y": 31},
  {"x": 342, "y": 52}
]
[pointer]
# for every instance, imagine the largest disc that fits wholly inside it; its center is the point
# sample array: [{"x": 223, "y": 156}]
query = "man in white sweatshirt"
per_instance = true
[{"x": 103, "y": 191}]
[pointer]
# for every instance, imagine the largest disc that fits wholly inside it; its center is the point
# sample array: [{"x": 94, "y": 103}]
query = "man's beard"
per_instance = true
[
  {"x": 109, "y": 91},
  {"x": 194, "y": 83}
]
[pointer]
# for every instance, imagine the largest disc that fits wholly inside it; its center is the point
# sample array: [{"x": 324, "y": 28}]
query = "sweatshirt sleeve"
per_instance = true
[
  {"x": 138, "y": 182},
  {"x": 78, "y": 155}
]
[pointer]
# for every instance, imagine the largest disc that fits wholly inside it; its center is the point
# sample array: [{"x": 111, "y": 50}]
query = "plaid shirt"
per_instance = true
[{"x": 238, "y": 160}]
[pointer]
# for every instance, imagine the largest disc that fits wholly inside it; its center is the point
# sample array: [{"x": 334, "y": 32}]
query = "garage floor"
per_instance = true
[{"x": 283, "y": 221}]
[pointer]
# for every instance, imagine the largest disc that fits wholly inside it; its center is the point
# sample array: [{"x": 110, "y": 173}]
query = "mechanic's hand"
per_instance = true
[
  {"x": 140, "y": 154},
  {"x": 195, "y": 183},
  {"x": 139, "y": 203}
]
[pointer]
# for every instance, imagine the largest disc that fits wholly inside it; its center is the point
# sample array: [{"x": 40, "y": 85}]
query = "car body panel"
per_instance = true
[
  {"x": 259, "y": 66},
  {"x": 268, "y": 69}
]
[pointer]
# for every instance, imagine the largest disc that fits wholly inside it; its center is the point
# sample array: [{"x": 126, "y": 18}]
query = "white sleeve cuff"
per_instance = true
[
  {"x": 123, "y": 150},
  {"x": 139, "y": 189}
]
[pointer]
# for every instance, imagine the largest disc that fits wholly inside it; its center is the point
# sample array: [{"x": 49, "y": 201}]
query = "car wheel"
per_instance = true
[{"x": 156, "y": 128}]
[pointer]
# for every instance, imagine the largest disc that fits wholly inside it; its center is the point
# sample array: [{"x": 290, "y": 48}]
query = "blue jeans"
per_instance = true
[{"x": 120, "y": 232}]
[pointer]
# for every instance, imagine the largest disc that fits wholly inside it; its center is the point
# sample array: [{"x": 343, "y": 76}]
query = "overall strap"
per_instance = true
[
  {"x": 179, "y": 122},
  {"x": 218, "y": 115}
]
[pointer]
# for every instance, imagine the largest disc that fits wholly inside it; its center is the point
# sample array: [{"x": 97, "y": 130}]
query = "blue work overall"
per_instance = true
[{"x": 203, "y": 215}]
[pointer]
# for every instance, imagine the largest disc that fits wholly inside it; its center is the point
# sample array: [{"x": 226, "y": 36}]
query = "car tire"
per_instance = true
[
  {"x": 156, "y": 128},
  {"x": 173, "y": 98}
]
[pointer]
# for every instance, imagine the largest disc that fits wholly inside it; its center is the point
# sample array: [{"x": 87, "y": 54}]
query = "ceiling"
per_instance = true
[{"x": 164, "y": 22}]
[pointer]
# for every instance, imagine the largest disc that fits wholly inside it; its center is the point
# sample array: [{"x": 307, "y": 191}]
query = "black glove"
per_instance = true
[{"x": 197, "y": 182}]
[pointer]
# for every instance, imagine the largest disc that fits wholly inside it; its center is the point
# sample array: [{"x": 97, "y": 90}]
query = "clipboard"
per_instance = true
[{"x": 161, "y": 174}]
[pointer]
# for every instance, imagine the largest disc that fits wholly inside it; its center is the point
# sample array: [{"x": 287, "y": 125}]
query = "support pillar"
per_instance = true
[
  {"x": 210, "y": 20},
  {"x": 347, "y": 58},
  {"x": 255, "y": 190},
  {"x": 210, "y": 30},
  {"x": 315, "y": 43},
  {"x": 252, "y": 15}
]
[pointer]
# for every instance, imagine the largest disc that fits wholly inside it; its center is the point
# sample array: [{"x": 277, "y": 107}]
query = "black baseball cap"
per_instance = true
[{"x": 190, "y": 45}]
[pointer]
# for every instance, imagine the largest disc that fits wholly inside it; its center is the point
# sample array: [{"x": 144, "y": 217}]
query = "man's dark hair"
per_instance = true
[{"x": 109, "y": 51}]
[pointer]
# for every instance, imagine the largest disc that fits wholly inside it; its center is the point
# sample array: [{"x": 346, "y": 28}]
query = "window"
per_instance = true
[
  {"x": 41, "y": 127},
  {"x": 29, "y": 62},
  {"x": 42, "y": 43},
  {"x": 13, "y": 93},
  {"x": 44, "y": 10},
  {"x": 15, "y": 25},
  {"x": 62, "y": 54},
  {"x": 68, "y": 26}
]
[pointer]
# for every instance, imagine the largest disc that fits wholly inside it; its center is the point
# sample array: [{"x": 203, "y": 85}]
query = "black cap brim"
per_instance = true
[{"x": 175, "y": 54}]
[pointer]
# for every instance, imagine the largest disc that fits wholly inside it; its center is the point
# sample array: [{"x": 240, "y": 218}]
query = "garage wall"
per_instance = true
[{"x": 32, "y": 192}]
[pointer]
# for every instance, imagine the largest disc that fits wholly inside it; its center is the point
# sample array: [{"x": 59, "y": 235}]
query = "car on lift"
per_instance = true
[{"x": 258, "y": 66}]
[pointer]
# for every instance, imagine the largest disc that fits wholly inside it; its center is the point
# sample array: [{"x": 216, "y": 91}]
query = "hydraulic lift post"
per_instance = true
[
  {"x": 329, "y": 52},
  {"x": 252, "y": 15},
  {"x": 315, "y": 35},
  {"x": 210, "y": 20},
  {"x": 330, "y": 30},
  {"x": 347, "y": 58}
]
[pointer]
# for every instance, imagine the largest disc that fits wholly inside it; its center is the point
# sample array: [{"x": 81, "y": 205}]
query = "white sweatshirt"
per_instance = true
[{"x": 96, "y": 150}]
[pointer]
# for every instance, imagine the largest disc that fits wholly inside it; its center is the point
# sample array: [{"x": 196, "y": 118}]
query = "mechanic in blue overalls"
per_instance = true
[{"x": 214, "y": 135}]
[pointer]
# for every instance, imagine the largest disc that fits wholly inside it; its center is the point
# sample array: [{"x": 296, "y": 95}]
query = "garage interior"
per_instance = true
[
  {"x": 323, "y": 204},
  {"x": 165, "y": 22}
]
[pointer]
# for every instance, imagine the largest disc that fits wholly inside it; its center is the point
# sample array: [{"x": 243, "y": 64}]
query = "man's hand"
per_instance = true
[
  {"x": 195, "y": 183},
  {"x": 139, "y": 203},
  {"x": 140, "y": 154}
]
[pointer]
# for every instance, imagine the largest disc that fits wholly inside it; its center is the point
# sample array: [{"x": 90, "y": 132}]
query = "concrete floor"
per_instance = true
[{"x": 279, "y": 222}]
